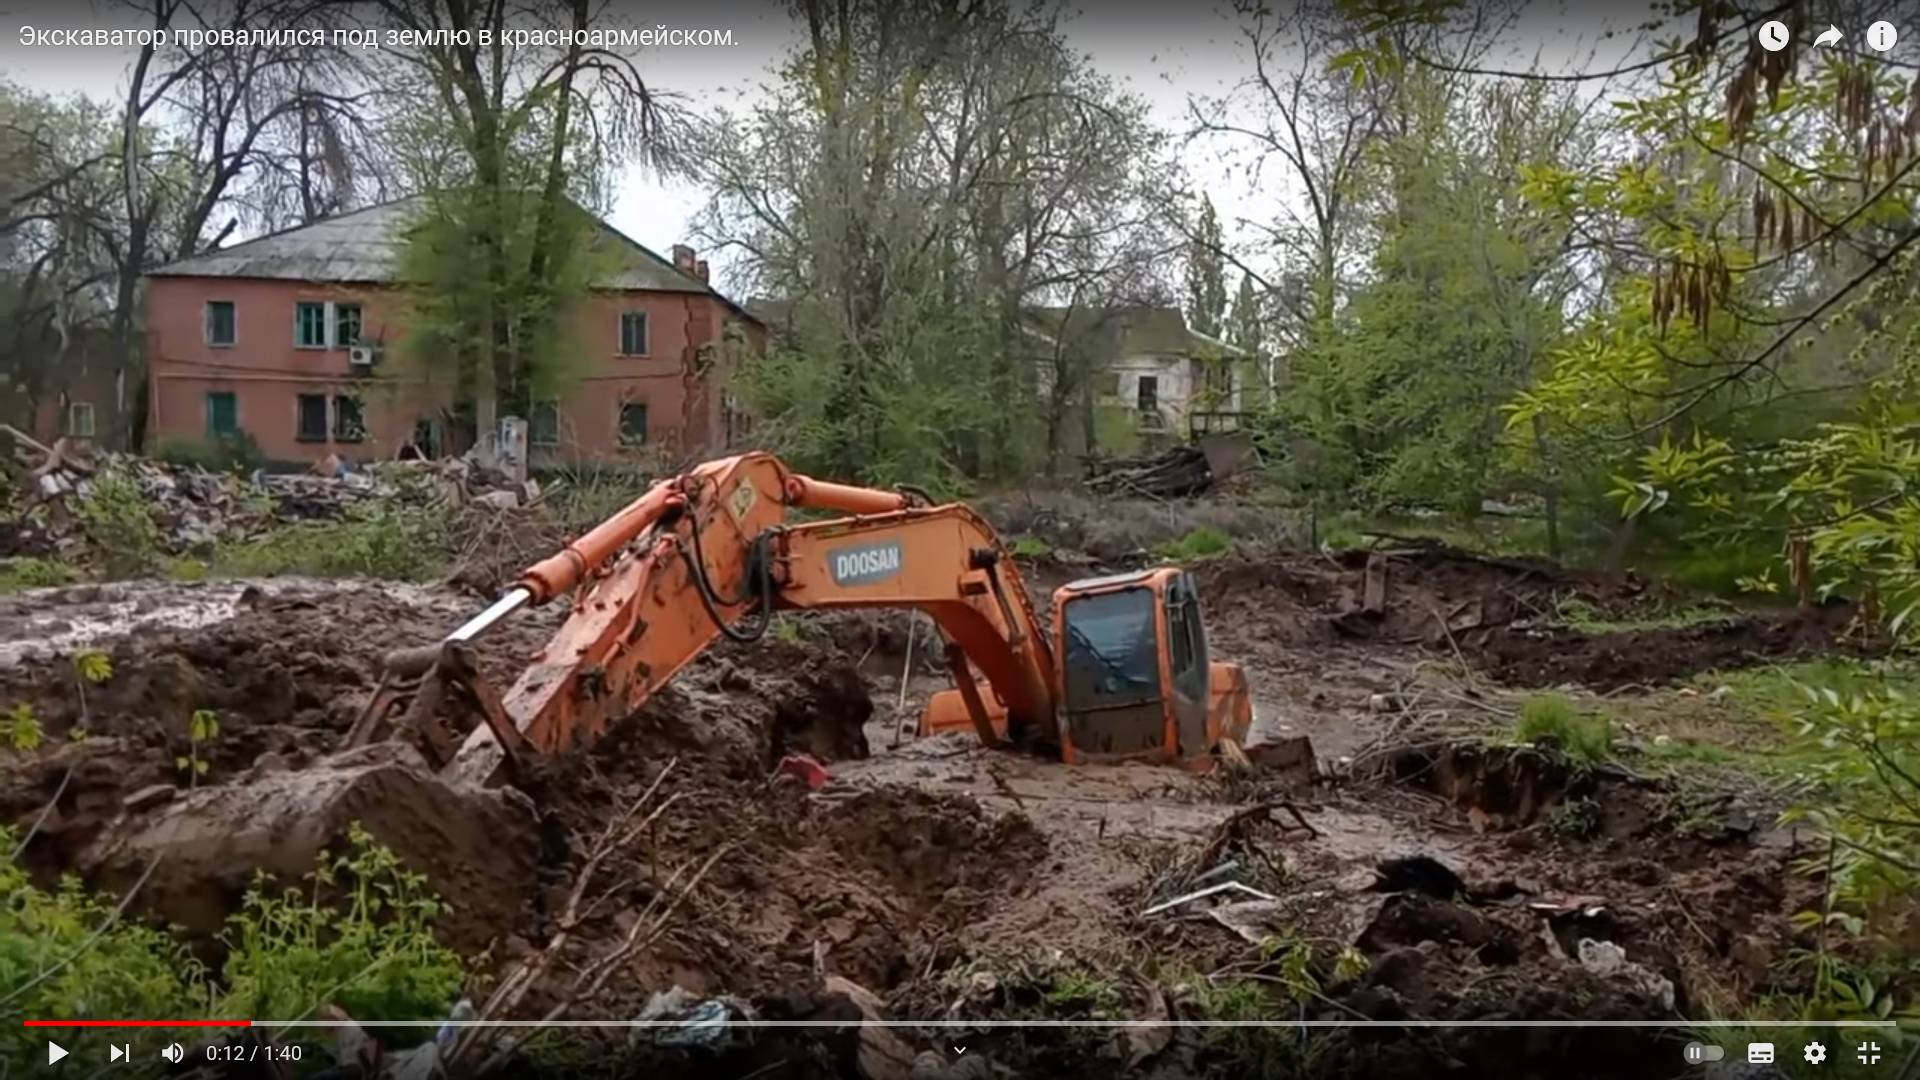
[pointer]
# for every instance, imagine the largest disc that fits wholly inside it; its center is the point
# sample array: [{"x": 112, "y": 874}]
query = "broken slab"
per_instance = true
[{"x": 199, "y": 854}]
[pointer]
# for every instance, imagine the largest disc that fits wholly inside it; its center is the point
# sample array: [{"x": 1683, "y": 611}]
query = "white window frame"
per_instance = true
[{"x": 646, "y": 332}]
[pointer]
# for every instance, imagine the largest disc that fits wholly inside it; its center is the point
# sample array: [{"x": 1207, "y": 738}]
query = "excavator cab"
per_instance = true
[
  {"x": 1132, "y": 680},
  {"x": 1135, "y": 678}
]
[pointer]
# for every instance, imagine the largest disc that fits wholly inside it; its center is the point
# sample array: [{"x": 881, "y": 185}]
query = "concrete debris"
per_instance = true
[
  {"x": 883, "y": 1055},
  {"x": 1608, "y": 960},
  {"x": 196, "y": 509}
]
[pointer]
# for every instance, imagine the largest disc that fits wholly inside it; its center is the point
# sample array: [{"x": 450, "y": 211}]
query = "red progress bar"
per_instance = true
[{"x": 138, "y": 1023}]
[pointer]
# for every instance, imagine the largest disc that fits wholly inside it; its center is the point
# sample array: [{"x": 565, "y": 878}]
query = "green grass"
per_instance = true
[
  {"x": 1575, "y": 613},
  {"x": 1030, "y": 547},
  {"x": 31, "y": 573},
  {"x": 1197, "y": 545},
  {"x": 1075, "y": 991},
  {"x": 1582, "y": 735},
  {"x": 1779, "y": 691},
  {"x": 399, "y": 545},
  {"x": 1489, "y": 535}
]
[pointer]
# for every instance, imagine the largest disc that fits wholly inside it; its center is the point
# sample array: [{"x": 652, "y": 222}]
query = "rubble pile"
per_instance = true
[
  {"x": 1175, "y": 472},
  {"x": 43, "y": 489}
]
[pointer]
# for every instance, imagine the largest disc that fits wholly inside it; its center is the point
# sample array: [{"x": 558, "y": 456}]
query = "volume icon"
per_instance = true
[{"x": 172, "y": 1052}]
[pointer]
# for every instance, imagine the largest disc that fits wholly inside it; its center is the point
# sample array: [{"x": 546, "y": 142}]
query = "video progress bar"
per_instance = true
[{"x": 1681, "y": 1025}]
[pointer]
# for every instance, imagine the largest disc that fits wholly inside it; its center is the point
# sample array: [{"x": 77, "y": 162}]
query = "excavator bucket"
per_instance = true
[{"x": 428, "y": 697}]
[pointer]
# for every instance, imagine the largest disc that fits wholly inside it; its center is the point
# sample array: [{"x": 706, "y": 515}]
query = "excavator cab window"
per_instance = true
[
  {"x": 1187, "y": 639},
  {"x": 1112, "y": 659}
]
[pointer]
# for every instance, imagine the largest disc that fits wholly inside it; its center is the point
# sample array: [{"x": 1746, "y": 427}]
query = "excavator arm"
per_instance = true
[{"x": 711, "y": 554}]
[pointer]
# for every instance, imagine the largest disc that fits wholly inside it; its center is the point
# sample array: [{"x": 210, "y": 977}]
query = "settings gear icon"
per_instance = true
[{"x": 1814, "y": 1053}]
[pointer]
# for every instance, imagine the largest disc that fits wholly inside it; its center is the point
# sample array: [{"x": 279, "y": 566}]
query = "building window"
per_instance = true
[
  {"x": 543, "y": 427},
  {"x": 633, "y": 333},
  {"x": 346, "y": 325},
  {"x": 633, "y": 423},
  {"x": 219, "y": 322},
  {"x": 80, "y": 419},
  {"x": 223, "y": 414},
  {"x": 311, "y": 425},
  {"x": 310, "y": 325},
  {"x": 1147, "y": 393},
  {"x": 349, "y": 425}
]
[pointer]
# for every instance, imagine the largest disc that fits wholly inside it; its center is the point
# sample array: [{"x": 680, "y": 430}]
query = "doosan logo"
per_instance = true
[{"x": 865, "y": 564}]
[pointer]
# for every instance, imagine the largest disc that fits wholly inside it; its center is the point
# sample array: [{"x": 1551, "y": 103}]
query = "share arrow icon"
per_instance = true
[{"x": 1830, "y": 36}]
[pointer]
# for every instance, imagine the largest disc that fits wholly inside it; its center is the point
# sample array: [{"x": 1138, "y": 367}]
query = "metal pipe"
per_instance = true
[{"x": 503, "y": 607}]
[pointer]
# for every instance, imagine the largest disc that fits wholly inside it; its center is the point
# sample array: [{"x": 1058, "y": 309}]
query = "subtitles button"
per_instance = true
[
  {"x": 1759, "y": 1053},
  {"x": 1698, "y": 1053}
]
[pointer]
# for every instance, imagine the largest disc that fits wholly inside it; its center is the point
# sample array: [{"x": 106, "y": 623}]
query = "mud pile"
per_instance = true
[{"x": 1502, "y": 614}]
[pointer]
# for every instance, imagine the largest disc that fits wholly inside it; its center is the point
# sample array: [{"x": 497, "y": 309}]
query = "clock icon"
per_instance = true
[
  {"x": 1774, "y": 35},
  {"x": 1882, "y": 35}
]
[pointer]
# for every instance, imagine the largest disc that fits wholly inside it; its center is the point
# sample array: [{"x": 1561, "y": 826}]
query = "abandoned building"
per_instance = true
[{"x": 291, "y": 339}]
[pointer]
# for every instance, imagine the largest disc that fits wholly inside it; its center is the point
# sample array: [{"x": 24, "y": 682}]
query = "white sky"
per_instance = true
[{"x": 1164, "y": 53}]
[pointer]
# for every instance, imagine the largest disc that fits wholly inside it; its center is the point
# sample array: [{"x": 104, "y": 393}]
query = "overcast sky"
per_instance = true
[{"x": 1165, "y": 53}]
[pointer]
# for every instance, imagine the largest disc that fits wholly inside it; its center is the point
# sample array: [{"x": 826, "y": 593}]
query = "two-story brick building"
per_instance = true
[{"x": 292, "y": 339}]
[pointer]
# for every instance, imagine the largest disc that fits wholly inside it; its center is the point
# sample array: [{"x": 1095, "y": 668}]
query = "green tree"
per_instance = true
[
  {"x": 1461, "y": 306},
  {"x": 1206, "y": 274},
  {"x": 1249, "y": 333},
  {"x": 509, "y": 143},
  {"x": 923, "y": 178}
]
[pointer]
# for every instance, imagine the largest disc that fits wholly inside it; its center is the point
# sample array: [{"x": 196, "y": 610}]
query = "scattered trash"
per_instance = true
[
  {"x": 677, "y": 1018},
  {"x": 1254, "y": 920},
  {"x": 1211, "y": 890},
  {"x": 196, "y": 509},
  {"x": 805, "y": 769}
]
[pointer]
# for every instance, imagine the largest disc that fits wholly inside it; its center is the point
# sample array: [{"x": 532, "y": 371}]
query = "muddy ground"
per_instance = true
[{"x": 1418, "y": 873}]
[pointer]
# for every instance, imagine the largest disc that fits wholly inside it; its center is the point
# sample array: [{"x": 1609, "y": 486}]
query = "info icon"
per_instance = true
[{"x": 1759, "y": 1053}]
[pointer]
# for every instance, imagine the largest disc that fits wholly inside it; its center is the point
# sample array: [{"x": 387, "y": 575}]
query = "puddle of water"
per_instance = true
[{"x": 70, "y": 618}]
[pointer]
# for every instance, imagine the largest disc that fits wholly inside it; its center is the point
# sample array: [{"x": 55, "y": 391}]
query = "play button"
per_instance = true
[{"x": 55, "y": 1052}]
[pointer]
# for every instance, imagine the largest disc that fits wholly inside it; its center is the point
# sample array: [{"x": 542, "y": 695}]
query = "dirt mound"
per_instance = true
[
  {"x": 1500, "y": 613},
  {"x": 1652, "y": 656},
  {"x": 851, "y": 881},
  {"x": 198, "y": 855},
  {"x": 274, "y": 664}
]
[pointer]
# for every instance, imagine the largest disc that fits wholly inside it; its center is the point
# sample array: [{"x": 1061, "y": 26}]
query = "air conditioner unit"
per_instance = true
[{"x": 362, "y": 356}]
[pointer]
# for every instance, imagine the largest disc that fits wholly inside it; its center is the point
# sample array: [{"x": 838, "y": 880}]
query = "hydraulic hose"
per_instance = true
[{"x": 762, "y": 581}]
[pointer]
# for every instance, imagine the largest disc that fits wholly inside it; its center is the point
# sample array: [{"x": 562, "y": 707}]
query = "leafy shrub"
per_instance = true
[
  {"x": 402, "y": 544},
  {"x": 119, "y": 522},
  {"x": 20, "y": 728},
  {"x": 373, "y": 953},
  {"x": 238, "y": 452},
  {"x": 63, "y": 954},
  {"x": 359, "y": 935},
  {"x": 1581, "y": 735},
  {"x": 1204, "y": 542},
  {"x": 31, "y": 573}
]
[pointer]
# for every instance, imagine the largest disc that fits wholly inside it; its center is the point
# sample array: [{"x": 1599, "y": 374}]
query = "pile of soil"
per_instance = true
[{"x": 1501, "y": 613}]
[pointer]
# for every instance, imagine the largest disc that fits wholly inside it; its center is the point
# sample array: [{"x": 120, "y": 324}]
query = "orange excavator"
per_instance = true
[{"x": 1124, "y": 675}]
